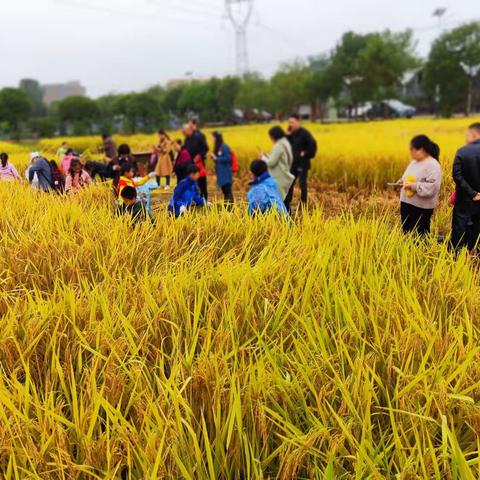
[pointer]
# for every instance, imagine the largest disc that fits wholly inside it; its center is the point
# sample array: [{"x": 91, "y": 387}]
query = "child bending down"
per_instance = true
[
  {"x": 134, "y": 207},
  {"x": 264, "y": 194},
  {"x": 186, "y": 194},
  {"x": 127, "y": 173}
]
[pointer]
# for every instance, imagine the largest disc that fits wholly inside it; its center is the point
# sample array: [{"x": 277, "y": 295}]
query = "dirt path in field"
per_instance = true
[{"x": 333, "y": 201}]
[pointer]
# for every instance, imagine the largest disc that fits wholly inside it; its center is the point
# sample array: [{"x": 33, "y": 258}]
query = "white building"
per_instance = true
[{"x": 56, "y": 92}]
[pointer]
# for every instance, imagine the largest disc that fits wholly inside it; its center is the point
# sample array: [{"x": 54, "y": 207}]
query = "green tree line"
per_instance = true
[{"x": 361, "y": 68}]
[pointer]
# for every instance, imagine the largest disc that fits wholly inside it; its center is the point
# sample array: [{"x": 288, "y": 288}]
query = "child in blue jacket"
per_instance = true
[
  {"x": 264, "y": 194},
  {"x": 186, "y": 194}
]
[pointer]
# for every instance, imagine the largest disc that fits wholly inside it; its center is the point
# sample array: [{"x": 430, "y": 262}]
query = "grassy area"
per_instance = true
[
  {"x": 224, "y": 347},
  {"x": 218, "y": 346}
]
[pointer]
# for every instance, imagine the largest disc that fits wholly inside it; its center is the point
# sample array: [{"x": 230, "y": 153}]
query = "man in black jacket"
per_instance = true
[
  {"x": 466, "y": 174},
  {"x": 196, "y": 145},
  {"x": 304, "y": 149},
  {"x": 201, "y": 136}
]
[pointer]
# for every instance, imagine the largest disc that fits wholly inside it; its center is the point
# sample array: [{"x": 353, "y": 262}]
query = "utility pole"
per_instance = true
[
  {"x": 439, "y": 13},
  {"x": 240, "y": 12},
  {"x": 471, "y": 71}
]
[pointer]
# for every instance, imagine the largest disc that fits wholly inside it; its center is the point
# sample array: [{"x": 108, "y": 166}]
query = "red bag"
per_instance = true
[
  {"x": 234, "y": 162},
  {"x": 453, "y": 198},
  {"x": 199, "y": 162}
]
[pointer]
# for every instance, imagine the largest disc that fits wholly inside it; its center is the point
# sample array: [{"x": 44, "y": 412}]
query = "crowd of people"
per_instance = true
[{"x": 274, "y": 176}]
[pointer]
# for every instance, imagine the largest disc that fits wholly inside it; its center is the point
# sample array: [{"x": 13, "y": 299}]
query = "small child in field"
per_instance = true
[
  {"x": 8, "y": 172},
  {"x": 134, "y": 207},
  {"x": 77, "y": 178},
  {"x": 66, "y": 162},
  {"x": 186, "y": 194},
  {"x": 127, "y": 173},
  {"x": 264, "y": 194}
]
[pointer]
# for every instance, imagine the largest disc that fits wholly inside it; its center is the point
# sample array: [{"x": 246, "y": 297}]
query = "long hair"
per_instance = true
[
  {"x": 4, "y": 159},
  {"x": 74, "y": 164},
  {"x": 163, "y": 133},
  {"x": 218, "y": 137},
  {"x": 422, "y": 142}
]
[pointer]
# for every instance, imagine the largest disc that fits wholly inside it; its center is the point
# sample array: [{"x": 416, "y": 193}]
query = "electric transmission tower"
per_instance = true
[{"x": 240, "y": 12}]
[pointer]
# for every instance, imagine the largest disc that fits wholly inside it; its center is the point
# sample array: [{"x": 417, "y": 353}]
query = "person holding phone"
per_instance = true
[
  {"x": 420, "y": 186},
  {"x": 280, "y": 160}
]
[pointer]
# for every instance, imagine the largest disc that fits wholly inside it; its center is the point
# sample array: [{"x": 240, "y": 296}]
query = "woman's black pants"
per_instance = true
[{"x": 415, "y": 219}]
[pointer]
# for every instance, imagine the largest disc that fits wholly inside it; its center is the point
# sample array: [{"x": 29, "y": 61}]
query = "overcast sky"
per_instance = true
[{"x": 125, "y": 45}]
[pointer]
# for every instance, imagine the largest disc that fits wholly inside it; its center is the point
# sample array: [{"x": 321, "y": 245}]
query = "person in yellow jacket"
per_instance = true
[{"x": 126, "y": 180}]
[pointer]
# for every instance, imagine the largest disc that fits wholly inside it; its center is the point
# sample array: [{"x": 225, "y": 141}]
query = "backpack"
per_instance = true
[
  {"x": 58, "y": 179},
  {"x": 235, "y": 166}
]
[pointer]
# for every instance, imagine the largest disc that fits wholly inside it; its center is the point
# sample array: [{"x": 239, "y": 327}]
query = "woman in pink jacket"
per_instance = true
[
  {"x": 77, "y": 178},
  {"x": 8, "y": 172}
]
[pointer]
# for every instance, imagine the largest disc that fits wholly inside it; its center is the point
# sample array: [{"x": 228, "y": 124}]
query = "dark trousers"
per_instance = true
[
  {"x": 228, "y": 193},
  {"x": 415, "y": 220},
  {"x": 202, "y": 185},
  {"x": 465, "y": 230},
  {"x": 167, "y": 179},
  {"x": 100, "y": 169},
  {"x": 301, "y": 174}
]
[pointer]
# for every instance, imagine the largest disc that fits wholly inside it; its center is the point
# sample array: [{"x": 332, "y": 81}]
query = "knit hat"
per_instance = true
[{"x": 33, "y": 156}]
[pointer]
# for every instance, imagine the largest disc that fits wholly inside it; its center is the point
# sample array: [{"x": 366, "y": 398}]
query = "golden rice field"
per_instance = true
[
  {"x": 359, "y": 154},
  {"x": 221, "y": 347}
]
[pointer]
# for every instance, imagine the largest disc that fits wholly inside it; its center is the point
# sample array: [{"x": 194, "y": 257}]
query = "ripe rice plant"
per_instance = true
[
  {"x": 220, "y": 346},
  {"x": 367, "y": 155}
]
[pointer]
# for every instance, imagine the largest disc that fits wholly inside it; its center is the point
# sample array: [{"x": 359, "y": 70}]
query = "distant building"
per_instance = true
[
  {"x": 412, "y": 83},
  {"x": 56, "y": 92}
]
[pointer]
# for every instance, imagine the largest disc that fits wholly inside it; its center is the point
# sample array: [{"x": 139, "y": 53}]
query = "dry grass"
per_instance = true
[{"x": 222, "y": 347}]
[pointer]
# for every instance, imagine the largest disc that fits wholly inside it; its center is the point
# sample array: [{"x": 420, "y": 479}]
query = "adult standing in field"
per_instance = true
[
  {"x": 420, "y": 186},
  {"x": 195, "y": 145},
  {"x": 8, "y": 172},
  {"x": 109, "y": 147},
  {"x": 203, "y": 139},
  {"x": 280, "y": 161},
  {"x": 182, "y": 161},
  {"x": 42, "y": 169},
  {"x": 222, "y": 156},
  {"x": 164, "y": 154},
  {"x": 466, "y": 174},
  {"x": 304, "y": 149}
]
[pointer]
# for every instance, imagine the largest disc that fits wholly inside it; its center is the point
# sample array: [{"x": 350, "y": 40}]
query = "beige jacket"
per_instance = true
[{"x": 279, "y": 164}]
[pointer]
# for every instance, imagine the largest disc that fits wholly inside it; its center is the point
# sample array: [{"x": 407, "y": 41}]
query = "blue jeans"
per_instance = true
[{"x": 465, "y": 230}]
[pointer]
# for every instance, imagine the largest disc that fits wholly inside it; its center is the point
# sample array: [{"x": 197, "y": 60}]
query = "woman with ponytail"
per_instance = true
[
  {"x": 420, "y": 186},
  {"x": 8, "y": 172}
]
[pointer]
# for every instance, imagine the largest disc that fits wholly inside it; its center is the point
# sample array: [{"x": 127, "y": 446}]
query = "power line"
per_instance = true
[
  {"x": 282, "y": 36},
  {"x": 181, "y": 9},
  {"x": 105, "y": 10}
]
